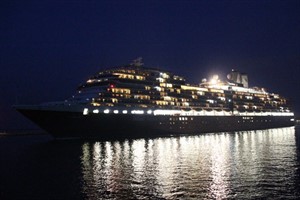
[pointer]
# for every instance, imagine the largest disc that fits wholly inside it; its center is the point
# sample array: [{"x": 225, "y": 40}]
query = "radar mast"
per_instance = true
[{"x": 137, "y": 62}]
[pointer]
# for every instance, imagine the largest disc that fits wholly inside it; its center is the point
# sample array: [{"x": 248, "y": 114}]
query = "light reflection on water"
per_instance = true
[{"x": 253, "y": 164}]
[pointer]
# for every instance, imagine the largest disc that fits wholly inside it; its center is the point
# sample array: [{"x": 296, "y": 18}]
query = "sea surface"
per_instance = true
[{"x": 261, "y": 164}]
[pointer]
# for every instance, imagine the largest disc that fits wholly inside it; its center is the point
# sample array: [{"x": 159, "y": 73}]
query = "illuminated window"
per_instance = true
[
  {"x": 157, "y": 88},
  {"x": 121, "y": 90},
  {"x": 167, "y": 98},
  {"x": 185, "y": 104},
  {"x": 114, "y": 100},
  {"x": 125, "y": 76},
  {"x": 163, "y": 93},
  {"x": 210, "y": 101},
  {"x": 161, "y": 80},
  {"x": 140, "y": 77},
  {"x": 161, "y": 102},
  {"x": 145, "y": 97},
  {"x": 164, "y": 75}
]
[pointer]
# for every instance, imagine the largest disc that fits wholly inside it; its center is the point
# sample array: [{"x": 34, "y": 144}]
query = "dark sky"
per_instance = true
[{"x": 49, "y": 47}]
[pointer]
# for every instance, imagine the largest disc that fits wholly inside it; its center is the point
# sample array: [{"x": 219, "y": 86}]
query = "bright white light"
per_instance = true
[
  {"x": 85, "y": 111},
  {"x": 214, "y": 79},
  {"x": 210, "y": 101},
  {"x": 217, "y": 113},
  {"x": 124, "y": 111},
  {"x": 106, "y": 111},
  {"x": 166, "y": 112},
  {"x": 149, "y": 112},
  {"x": 158, "y": 88},
  {"x": 222, "y": 98},
  {"x": 96, "y": 111},
  {"x": 292, "y": 120},
  {"x": 137, "y": 112},
  {"x": 116, "y": 111}
]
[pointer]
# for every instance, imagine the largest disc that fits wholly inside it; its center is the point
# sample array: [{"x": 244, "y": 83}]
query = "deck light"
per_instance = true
[
  {"x": 106, "y": 111},
  {"x": 96, "y": 111},
  {"x": 85, "y": 111}
]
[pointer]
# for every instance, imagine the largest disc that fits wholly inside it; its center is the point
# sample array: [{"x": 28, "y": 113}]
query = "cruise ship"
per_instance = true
[{"x": 137, "y": 101}]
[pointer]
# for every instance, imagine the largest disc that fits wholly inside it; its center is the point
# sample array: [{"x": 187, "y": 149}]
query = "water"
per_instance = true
[{"x": 240, "y": 165}]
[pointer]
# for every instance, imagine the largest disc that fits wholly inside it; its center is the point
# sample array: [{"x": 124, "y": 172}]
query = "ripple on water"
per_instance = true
[{"x": 250, "y": 165}]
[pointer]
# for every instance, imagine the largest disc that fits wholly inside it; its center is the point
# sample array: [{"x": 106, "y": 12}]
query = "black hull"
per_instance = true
[{"x": 64, "y": 124}]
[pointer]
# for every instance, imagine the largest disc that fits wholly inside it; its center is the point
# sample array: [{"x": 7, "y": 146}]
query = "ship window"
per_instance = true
[
  {"x": 161, "y": 103},
  {"x": 210, "y": 101},
  {"x": 125, "y": 76},
  {"x": 164, "y": 75},
  {"x": 142, "y": 97},
  {"x": 114, "y": 100},
  {"x": 120, "y": 90},
  {"x": 140, "y": 77},
  {"x": 96, "y": 104},
  {"x": 185, "y": 104},
  {"x": 158, "y": 88},
  {"x": 161, "y": 80},
  {"x": 167, "y": 98}
]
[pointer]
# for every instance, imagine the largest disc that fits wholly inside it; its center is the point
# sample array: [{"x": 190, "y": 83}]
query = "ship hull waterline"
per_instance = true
[{"x": 66, "y": 124}]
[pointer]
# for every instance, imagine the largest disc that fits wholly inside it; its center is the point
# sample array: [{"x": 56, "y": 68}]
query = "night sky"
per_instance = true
[{"x": 49, "y": 47}]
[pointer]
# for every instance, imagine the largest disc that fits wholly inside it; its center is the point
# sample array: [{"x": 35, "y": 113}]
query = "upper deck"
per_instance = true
[{"x": 142, "y": 87}]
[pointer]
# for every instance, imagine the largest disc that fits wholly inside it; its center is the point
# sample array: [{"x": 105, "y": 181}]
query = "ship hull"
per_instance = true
[{"x": 66, "y": 124}]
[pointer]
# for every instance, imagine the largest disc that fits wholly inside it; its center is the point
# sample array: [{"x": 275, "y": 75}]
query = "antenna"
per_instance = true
[{"x": 138, "y": 62}]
